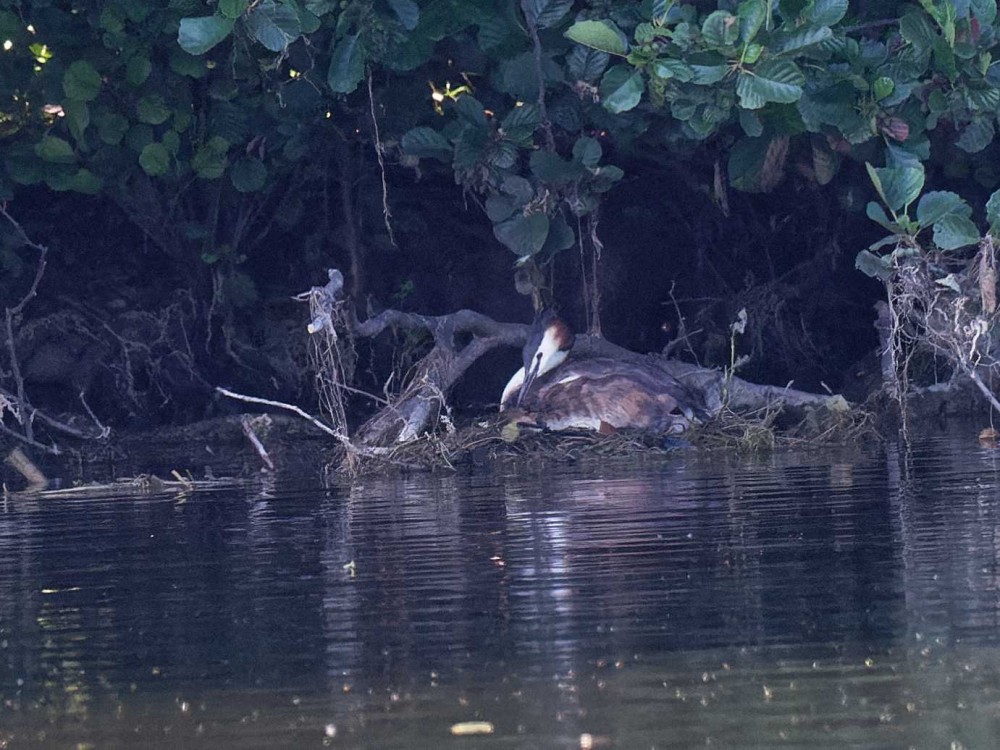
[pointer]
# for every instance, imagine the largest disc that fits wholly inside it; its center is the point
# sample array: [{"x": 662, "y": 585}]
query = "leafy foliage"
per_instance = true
[{"x": 523, "y": 95}]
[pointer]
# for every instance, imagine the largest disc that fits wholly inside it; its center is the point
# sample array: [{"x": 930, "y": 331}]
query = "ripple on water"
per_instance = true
[{"x": 835, "y": 599}]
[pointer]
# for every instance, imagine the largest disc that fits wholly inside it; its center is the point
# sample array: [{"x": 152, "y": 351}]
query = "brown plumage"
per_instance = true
[{"x": 597, "y": 393}]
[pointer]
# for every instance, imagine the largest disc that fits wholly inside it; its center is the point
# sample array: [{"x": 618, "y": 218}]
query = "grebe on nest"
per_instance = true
[{"x": 594, "y": 393}]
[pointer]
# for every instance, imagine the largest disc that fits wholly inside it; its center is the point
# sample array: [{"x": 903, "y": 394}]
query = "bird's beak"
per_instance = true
[{"x": 529, "y": 378}]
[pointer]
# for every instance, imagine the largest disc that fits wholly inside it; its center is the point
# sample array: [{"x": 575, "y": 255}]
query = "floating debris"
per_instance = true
[{"x": 468, "y": 728}]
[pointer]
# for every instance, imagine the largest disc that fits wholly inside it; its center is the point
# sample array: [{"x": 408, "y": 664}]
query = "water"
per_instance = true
[{"x": 802, "y": 600}]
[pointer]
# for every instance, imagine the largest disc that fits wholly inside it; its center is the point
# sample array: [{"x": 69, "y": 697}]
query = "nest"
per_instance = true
[{"x": 495, "y": 443}]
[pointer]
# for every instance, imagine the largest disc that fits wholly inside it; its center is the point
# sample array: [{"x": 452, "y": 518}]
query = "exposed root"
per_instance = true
[{"x": 946, "y": 309}]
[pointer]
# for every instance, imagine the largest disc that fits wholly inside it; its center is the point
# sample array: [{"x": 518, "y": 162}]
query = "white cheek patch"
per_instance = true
[{"x": 549, "y": 346}]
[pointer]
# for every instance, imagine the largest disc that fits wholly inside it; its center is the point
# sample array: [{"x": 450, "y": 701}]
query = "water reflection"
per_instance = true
[{"x": 845, "y": 599}]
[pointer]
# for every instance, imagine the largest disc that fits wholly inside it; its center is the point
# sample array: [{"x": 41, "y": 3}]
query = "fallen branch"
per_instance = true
[
  {"x": 412, "y": 412},
  {"x": 27, "y": 469},
  {"x": 282, "y": 405},
  {"x": 463, "y": 337},
  {"x": 258, "y": 446}
]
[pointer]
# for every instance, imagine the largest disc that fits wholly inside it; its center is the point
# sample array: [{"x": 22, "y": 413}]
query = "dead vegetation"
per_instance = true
[{"x": 942, "y": 314}]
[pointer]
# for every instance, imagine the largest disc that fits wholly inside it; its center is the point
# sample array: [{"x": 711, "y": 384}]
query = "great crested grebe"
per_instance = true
[{"x": 595, "y": 393}]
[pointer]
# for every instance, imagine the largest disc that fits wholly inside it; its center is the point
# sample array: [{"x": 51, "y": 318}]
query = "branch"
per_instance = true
[
  {"x": 445, "y": 327},
  {"x": 379, "y": 149},
  {"x": 13, "y": 312},
  {"x": 52, "y": 449},
  {"x": 987, "y": 393},
  {"x": 42, "y": 251},
  {"x": 344, "y": 440},
  {"x": 536, "y": 43}
]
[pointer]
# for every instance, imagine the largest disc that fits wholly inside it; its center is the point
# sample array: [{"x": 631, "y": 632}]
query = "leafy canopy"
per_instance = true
[{"x": 524, "y": 96}]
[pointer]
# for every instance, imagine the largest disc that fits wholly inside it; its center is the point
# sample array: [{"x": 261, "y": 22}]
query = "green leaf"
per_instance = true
[
  {"x": 752, "y": 14},
  {"x": 518, "y": 188},
  {"x": 546, "y": 13},
  {"x": 800, "y": 39},
  {"x": 273, "y": 24},
  {"x": 188, "y": 65},
  {"x": 471, "y": 110},
  {"x": 897, "y": 186},
  {"x": 985, "y": 11},
  {"x": 520, "y": 123},
  {"x": 621, "y": 89},
  {"x": 882, "y": 87},
  {"x": 78, "y": 119},
  {"x": 111, "y": 128},
  {"x": 828, "y": 12},
  {"x": 498, "y": 35},
  {"x": 876, "y": 213},
  {"x": 917, "y": 29},
  {"x": 209, "y": 161},
  {"x": 472, "y": 147},
  {"x": 172, "y": 142},
  {"x": 707, "y": 75},
  {"x": 81, "y": 81},
  {"x": 876, "y": 266},
  {"x": 752, "y": 53},
  {"x": 560, "y": 237},
  {"x": 500, "y": 208},
  {"x": 751, "y": 123},
  {"x": 196, "y": 36},
  {"x": 516, "y": 76},
  {"x": 233, "y": 8},
  {"x": 525, "y": 235},
  {"x": 773, "y": 80},
  {"x": 586, "y": 64},
  {"x": 550, "y": 167},
  {"x": 600, "y": 35},
  {"x": 526, "y": 116},
  {"x": 155, "y": 160},
  {"x": 55, "y": 150},
  {"x": 954, "y": 231},
  {"x": 407, "y": 11},
  {"x": 993, "y": 213},
  {"x": 152, "y": 109},
  {"x": 587, "y": 151},
  {"x": 933, "y": 205},
  {"x": 427, "y": 143},
  {"x": 720, "y": 29},
  {"x": 347, "y": 65},
  {"x": 976, "y": 136},
  {"x": 676, "y": 69},
  {"x": 248, "y": 175},
  {"x": 604, "y": 179},
  {"x": 137, "y": 70},
  {"x": 85, "y": 181},
  {"x": 308, "y": 22},
  {"x": 502, "y": 154}
]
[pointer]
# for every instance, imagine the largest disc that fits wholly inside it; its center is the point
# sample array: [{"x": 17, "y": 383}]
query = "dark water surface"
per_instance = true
[{"x": 801, "y": 600}]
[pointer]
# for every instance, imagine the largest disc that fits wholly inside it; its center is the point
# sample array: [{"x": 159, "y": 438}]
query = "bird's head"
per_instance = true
[{"x": 549, "y": 341}]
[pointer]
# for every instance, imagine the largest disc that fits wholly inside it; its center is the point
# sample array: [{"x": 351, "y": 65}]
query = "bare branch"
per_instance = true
[{"x": 25, "y": 410}]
